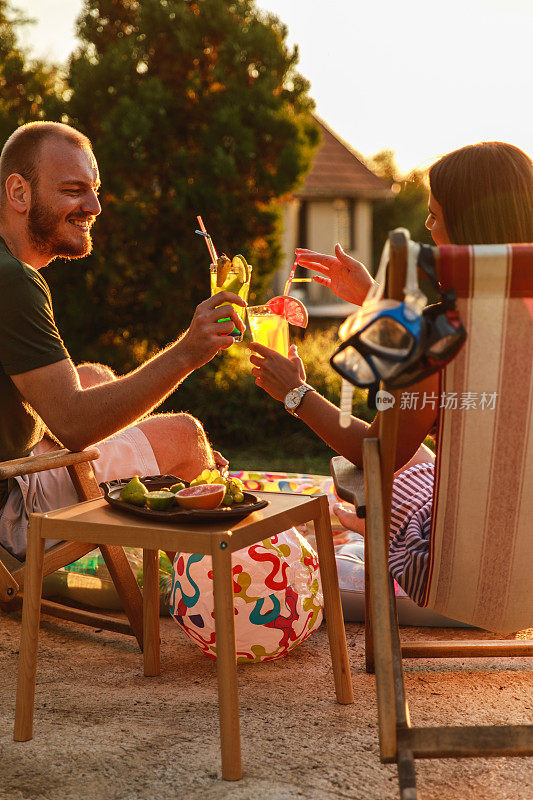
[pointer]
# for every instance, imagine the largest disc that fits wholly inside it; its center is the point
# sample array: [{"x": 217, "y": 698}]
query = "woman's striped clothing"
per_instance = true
[{"x": 410, "y": 526}]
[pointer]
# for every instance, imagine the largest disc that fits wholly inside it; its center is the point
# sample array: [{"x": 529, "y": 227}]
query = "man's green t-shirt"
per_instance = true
[{"x": 28, "y": 339}]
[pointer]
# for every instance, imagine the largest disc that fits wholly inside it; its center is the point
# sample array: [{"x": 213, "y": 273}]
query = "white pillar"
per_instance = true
[{"x": 288, "y": 242}]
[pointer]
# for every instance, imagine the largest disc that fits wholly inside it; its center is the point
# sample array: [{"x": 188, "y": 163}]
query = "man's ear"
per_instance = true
[{"x": 18, "y": 193}]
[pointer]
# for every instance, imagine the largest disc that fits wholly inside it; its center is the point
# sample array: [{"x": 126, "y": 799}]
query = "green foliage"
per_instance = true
[
  {"x": 24, "y": 86},
  {"x": 241, "y": 418},
  {"x": 192, "y": 108},
  {"x": 407, "y": 209}
]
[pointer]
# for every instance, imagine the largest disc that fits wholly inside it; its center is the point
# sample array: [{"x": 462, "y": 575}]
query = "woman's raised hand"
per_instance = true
[{"x": 346, "y": 277}]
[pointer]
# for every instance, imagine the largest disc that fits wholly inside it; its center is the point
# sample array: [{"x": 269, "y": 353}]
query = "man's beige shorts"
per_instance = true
[{"x": 121, "y": 456}]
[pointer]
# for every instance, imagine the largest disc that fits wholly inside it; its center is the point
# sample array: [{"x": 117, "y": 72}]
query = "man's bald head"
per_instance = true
[{"x": 21, "y": 152}]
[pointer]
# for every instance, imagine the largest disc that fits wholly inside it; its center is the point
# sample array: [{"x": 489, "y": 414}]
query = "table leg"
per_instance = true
[
  {"x": 228, "y": 699},
  {"x": 151, "y": 648},
  {"x": 332, "y": 605},
  {"x": 29, "y": 641}
]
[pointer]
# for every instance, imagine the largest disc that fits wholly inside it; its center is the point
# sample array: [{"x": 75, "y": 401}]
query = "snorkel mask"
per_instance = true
[
  {"x": 384, "y": 334},
  {"x": 441, "y": 334},
  {"x": 397, "y": 342}
]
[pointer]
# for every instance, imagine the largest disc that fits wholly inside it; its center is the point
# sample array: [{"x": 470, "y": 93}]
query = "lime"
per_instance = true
[
  {"x": 134, "y": 492},
  {"x": 241, "y": 268},
  {"x": 160, "y": 501},
  {"x": 177, "y": 487},
  {"x": 234, "y": 285}
]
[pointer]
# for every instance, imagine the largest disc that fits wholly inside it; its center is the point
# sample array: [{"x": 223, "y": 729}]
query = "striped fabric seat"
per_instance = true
[
  {"x": 481, "y": 551},
  {"x": 480, "y": 540}
]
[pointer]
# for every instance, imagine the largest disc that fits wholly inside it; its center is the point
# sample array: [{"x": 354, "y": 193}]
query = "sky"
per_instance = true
[{"x": 417, "y": 77}]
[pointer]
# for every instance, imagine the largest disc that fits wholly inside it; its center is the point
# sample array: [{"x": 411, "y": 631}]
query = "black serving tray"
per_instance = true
[{"x": 177, "y": 515}]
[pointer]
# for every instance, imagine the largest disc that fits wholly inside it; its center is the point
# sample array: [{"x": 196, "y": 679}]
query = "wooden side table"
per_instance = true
[{"x": 96, "y": 522}]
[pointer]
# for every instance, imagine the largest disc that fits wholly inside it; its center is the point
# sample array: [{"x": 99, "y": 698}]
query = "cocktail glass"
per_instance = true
[
  {"x": 231, "y": 282},
  {"x": 269, "y": 328}
]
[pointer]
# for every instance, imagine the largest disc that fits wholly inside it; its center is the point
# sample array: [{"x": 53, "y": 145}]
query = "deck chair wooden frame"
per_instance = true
[
  {"x": 400, "y": 742},
  {"x": 12, "y": 571}
]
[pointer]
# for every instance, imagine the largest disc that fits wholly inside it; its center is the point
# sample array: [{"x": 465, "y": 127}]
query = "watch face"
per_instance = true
[{"x": 293, "y": 398}]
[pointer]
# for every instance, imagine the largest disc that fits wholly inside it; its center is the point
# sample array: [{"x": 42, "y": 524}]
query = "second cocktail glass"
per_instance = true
[{"x": 269, "y": 328}]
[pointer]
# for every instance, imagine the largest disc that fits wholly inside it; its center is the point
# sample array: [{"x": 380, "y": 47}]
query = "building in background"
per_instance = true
[{"x": 333, "y": 205}]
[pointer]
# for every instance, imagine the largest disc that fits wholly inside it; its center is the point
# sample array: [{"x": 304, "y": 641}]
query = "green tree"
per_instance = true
[
  {"x": 193, "y": 107},
  {"x": 406, "y": 209},
  {"x": 24, "y": 85}
]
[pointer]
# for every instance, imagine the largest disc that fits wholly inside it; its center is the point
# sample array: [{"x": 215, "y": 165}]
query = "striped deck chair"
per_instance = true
[{"x": 481, "y": 545}]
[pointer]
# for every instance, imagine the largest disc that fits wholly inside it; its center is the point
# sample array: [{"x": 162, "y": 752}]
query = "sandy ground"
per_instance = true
[{"x": 104, "y": 732}]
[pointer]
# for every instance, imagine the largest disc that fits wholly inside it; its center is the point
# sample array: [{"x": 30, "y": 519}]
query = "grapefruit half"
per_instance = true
[
  {"x": 292, "y": 309},
  {"x": 204, "y": 496}
]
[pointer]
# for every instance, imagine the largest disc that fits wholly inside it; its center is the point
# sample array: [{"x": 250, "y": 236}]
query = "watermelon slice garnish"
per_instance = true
[{"x": 292, "y": 309}]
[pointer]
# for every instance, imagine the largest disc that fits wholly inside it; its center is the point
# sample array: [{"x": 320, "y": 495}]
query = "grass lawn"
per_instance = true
[
  {"x": 268, "y": 459},
  {"x": 291, "y": 458}
]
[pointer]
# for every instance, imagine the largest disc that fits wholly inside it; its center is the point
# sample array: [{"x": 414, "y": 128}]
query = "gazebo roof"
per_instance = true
[{"x": 337, "y": 171}]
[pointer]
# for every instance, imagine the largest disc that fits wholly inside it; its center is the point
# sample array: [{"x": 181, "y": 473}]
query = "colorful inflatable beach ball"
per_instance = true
[{"x": 277, "y": 597}]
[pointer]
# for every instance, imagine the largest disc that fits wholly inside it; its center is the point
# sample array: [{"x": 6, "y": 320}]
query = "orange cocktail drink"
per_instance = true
[{"x": 269, "y": 328}]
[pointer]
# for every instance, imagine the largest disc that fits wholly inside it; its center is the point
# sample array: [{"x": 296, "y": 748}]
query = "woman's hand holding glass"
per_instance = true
[
  {"x": 344, "y": 275},
  {"x": 274, "y": 373}
]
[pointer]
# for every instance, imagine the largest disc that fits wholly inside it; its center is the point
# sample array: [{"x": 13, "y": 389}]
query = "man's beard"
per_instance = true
[{"x": 43, "y": 230}]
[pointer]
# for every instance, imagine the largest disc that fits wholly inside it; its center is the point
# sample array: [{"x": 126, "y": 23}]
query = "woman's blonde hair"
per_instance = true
[{"x": 486, "y": 193}]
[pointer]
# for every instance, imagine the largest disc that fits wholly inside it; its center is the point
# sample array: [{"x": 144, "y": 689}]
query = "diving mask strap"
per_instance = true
[
  {"x": 374, "y": 293},
  {"x": 413, "y": 297}
]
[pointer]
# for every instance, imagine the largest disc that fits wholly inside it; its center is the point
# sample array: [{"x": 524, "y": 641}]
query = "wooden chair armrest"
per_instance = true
[
  {"x": 349, "y": 483},
  {"x": 44, "y": 461}
]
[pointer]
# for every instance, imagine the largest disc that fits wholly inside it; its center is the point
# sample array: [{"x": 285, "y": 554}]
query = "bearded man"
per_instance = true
[{"x": 49, "y": 185}]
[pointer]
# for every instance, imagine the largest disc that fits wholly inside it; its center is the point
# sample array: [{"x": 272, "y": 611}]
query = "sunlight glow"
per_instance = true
[{"x": 418, "y": 78}]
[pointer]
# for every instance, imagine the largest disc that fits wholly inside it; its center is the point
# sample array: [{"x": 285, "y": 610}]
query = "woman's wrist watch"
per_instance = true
[{"x": 293, "y": 398}]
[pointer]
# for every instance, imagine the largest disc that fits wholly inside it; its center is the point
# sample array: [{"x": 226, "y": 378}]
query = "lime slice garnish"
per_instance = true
[{"x": 241, "y": 267}]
